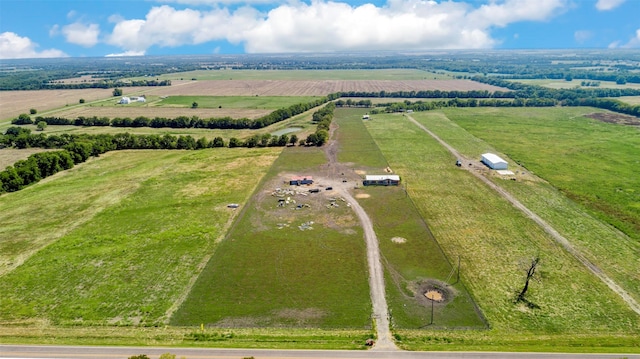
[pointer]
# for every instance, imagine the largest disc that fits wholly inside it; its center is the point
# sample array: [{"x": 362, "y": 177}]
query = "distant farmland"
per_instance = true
[
  {"x": 168, "y": 112},
  {"x": 311, "y": 87}
]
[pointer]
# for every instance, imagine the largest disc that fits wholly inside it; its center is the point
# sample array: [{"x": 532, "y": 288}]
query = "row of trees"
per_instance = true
[
  {"x": 456, "y": 102},
  {"x": 595, "y": 97},
  {"x": 78, "y": 148},
  {"x": 322, "y": 118},
  {"x": 181, "y": 121},
  {"x": 33, "y": 169}
]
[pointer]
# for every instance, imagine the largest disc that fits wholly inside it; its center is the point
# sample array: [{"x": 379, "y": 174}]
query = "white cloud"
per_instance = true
[
  {"x": 634, "y": 42},
  {"x": 126, "y": 53},
  {"x": 582, "y": 35},
  {"x": 332, "y": 26},
  {"x": 604, "y": 5},
  {"x": 81, "y": 34},
  {"x": 13, "y": 46}
]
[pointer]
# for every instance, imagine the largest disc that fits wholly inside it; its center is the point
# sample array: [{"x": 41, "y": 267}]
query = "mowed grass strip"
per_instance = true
[
  {"x": 495, "y": 243},
  {"x": 595, "y": 164},
  {"x": 410, "y": 254},
  {"x": 134, "y": 259},
  {"x": 268, "y": 272}
]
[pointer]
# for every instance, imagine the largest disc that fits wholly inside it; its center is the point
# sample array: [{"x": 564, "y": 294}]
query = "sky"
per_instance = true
[{"x": 83, "y": 28}]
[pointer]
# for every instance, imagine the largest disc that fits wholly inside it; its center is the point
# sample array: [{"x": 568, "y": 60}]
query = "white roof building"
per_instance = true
[
  {"x": 494, "y": 161},
  {"x": 125, "y": 101}
]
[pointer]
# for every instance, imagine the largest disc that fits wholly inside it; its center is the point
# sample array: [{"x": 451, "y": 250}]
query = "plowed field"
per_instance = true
[{"x": 310, "y": 87}]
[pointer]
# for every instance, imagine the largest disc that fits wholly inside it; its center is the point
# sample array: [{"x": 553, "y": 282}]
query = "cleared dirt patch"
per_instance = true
[
  {"x": 432, "y": 290},
  {"x": 362, "y": 195},
  {"x": 616, "y": 118}
]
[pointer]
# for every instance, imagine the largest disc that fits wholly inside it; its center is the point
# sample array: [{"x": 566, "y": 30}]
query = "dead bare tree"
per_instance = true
[{"x": 531, "y": 272}]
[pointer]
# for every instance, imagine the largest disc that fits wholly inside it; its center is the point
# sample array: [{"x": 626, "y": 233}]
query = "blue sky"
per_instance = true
[{"x": 77, "y": 28}]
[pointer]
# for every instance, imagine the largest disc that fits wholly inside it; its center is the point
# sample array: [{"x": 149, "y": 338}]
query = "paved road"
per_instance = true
[
  {"x": 542, "y": 223},
  {"x": 85, "y": 352}
]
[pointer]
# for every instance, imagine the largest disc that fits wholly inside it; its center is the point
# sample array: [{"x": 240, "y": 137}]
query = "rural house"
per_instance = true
[
  {"x": 300, "y": 180},
  {"x": 125, "y": 101},
  {"x": 494, "y": 161},
  {"x": 381, "y": 180}
]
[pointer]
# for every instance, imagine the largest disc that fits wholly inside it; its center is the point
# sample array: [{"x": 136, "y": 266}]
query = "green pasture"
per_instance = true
[
  {"x": 585, "y": 161},
  {"x": 382, "y": 74},
  {"x": 419, "y": 258},
  {"x": 118, "y": 240},
  {"x": 240, "y": 102},
  {"x": 269, "y": 273},
  {"x": 495, "y": 243}
]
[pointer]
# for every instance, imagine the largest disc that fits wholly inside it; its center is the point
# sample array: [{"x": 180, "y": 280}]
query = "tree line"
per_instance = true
[
  {"x": 180, "y": 121},
  {"x": 77, "y": 148}
]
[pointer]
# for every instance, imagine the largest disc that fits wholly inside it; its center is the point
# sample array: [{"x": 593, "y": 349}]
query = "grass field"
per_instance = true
[
  {"x": 268, "y": 272},
  {"x": 495, "y": 242},
  {"x": 412, "y": 264},
  {"x": 560, "y": 147},
  {"x": 117, "y": 240}
]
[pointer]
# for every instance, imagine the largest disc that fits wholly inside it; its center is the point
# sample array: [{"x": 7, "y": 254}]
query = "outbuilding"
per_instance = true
[
  {"x": 494, "y": 161},
  {"x": 381, "y": 180},
  {"x": 125, "y": 101},
  {"x": 300, "y": 180}
]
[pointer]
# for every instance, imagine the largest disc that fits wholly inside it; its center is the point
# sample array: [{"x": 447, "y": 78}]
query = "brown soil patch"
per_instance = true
[
  {"x": 432, "y": 290},
  {"x": 362, "y": 195},
  {"x": 434, "y": 295},
  {"x": 616, "y": 118}
]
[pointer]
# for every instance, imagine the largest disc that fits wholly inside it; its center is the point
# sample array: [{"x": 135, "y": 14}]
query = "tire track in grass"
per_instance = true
[{"x": 561, "y": 240}]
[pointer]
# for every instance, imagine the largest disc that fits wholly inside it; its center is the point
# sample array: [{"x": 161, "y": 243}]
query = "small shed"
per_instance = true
[
  {"x": 300, "y": 180},
  {"x": 381, "y": 180},
  {"x": 494, "y": 161},
  {"x": 365, "y": 117}
]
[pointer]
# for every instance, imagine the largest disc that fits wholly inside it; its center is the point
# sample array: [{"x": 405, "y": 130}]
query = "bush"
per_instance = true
[{"x": 33, "y": 111}]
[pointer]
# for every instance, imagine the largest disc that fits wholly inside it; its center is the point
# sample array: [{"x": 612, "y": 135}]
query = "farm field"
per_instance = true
[
  {"x": 13, "y": 103},
  {"x": 495, "y": 242},
  {"x": 119, "y": 239},
  {"x": 305, "y": 87},
  {"x": 236, "y": 102},
  {"x": 379, "y": 74},
  {"x": 631, "y": 100}
]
